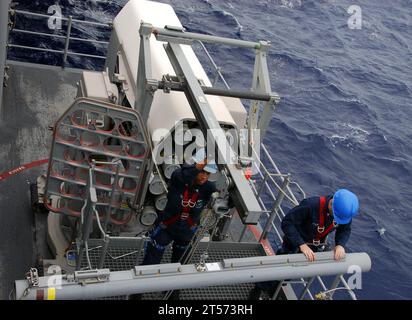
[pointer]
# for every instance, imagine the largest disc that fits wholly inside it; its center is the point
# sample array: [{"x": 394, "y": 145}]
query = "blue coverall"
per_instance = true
[
  {"x": 180, "y": 232},
  {"x": 301, "y": 222},
  {"x": 299, "y": 227}
]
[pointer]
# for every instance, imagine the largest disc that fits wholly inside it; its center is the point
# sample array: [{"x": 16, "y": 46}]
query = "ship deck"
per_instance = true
[{"x": 33, "y": 100}]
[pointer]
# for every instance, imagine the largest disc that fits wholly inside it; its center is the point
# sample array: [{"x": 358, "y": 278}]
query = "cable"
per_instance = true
[
  {"x": 299, "y": 187},
  {"x": 324, "y": 295},
  {"x": 86, "y": 246}
]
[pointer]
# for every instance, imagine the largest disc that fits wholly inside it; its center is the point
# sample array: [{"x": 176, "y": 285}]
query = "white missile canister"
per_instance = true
[
  {"x": 169, "y": 167},
  {"x": 161, "y": 201},
  {"x": 148, "y": 216},
  {"x": 156, "y": 186}
]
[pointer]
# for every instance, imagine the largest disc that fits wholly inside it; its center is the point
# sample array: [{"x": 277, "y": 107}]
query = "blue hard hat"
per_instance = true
[
  {"x": 345, "y": 206},
  {"x": 211, "y": 167},
  {"x": 201, "y": 156}
]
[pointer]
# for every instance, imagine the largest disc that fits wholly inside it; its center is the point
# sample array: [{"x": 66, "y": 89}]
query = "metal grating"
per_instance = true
[{"x": 123, "y": 255}]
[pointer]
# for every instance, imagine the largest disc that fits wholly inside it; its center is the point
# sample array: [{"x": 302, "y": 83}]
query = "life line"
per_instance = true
[{"x": 22, "y": 168}]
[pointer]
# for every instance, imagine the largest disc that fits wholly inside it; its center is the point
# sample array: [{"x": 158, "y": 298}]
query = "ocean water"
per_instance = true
[{"x": 344, "y": 117}]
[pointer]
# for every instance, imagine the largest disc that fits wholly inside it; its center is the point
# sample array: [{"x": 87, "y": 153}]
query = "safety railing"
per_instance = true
[
  {"x": 272, "y": 188},
  {"x": 68, "y": 38}
]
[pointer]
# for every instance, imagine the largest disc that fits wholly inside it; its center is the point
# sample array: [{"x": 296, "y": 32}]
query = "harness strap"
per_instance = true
[
  {"x": 322, "y": 202},
  {"x": 171, "y": 220},
  {"x": 187, "y": 204},
  {"x": 321, "y": 232}
]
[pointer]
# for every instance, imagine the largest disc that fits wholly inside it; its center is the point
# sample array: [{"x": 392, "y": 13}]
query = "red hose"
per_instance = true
[{"x": 22, "y": 168}]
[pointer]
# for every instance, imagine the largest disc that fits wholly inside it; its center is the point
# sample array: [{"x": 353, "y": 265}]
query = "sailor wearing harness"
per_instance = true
[
  {"x": 307, "y": 225},
  {"x": 189, "y": 192}
]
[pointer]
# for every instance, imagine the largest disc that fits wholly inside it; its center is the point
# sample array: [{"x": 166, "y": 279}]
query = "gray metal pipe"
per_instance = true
[
  {"x": 223, "y": 92},
  {"x": 167, "y": 277},
  {"x": 4, "y": 34},
  {"x": 206, "y": 38},
  {"x": 67, "y": 43}
]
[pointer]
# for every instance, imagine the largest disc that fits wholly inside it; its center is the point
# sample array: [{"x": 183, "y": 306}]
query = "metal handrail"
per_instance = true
[
  {"x": 27, "y": 13},
  {"x": 59, "y": 36},
  {"x": 67, "y": 37},
  {"x": 218, "y": 69}
]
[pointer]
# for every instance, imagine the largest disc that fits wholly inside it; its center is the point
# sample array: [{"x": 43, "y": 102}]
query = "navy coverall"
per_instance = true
[
  {"x": 180, "y": 232},
  {"x": 300, "y": 227}
]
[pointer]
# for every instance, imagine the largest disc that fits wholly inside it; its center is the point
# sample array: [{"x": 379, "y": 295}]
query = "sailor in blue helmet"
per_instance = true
[
  {"x": 307, "y": 225},
  {"x": 189, "y": 192}
]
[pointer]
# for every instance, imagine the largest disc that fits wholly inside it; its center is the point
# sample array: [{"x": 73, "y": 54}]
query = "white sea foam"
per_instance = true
[
  {"x": 225, "y": 13},
  {"x": 348, "y": 135},
  {"x": 228, "y": 14},
  {"x": 291, "y": 3}
]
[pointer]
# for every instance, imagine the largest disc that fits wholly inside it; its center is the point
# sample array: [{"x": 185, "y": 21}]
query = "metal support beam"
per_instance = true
[
  {"x": 247, "y": 205},
  {"x": 261, "y": 78},
  {"x": 145, "y": 86},
  {"x": 261, "y": 84},
  {"x": 178, "y": 86},
  {"x": 67, "y": 43},
  {"x": 164, "y": 277},
  {"x": 275, "y": 210},
  {"x": 4, "y": 35}
]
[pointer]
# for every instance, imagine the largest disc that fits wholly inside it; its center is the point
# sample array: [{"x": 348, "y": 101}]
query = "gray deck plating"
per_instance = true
[{"x": 34, "y": 98}]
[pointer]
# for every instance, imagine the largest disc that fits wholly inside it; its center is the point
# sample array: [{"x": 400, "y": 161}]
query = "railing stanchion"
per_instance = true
[
  {"x": 278, "y": 202},
  {"x": 106, "y": 242},
  {"x": 66, "y": 46},
  {"x": 277, "y": 291},
  {"x": 307, "y": 287},
  {"x": 243, "y": 233}
]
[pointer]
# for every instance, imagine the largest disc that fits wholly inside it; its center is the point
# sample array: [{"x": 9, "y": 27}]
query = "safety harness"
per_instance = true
[
  {"x": 187, "y": 205},
  {"x": 321, "y": 231}
]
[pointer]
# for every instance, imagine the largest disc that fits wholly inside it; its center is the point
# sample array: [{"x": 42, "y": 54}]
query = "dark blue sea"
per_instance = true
[{"x": 345, "y": 115}]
